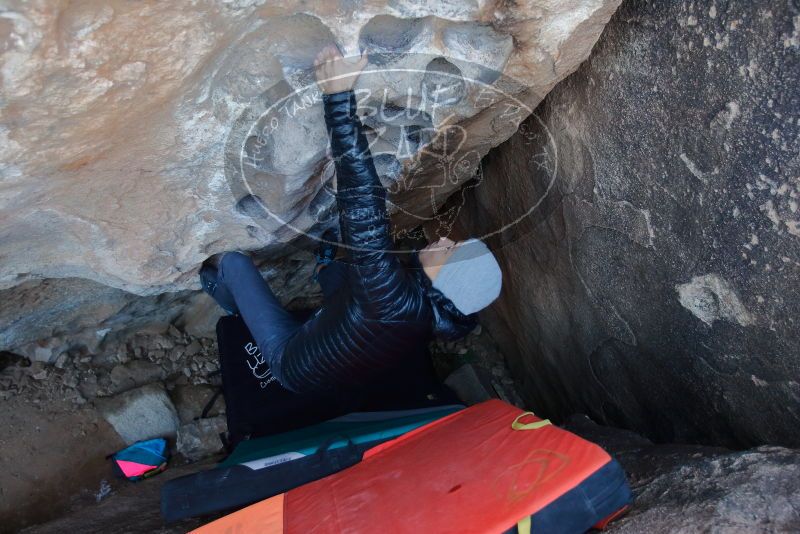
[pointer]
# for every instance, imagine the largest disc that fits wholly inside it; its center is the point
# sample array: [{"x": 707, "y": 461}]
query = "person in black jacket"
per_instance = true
[{"x": 375, "y": 311}]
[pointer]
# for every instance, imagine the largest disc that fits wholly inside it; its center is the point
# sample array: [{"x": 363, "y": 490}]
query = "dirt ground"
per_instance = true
[
  {"x": 132, "y": 508},
  {"x": 51, "y": 456}
]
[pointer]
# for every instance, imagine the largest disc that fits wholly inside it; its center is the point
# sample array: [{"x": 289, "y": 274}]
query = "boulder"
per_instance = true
[
  {"x": 695, "y": 488},
  {"x": 646, "y": 221},
  {"x": 122, "y": 162},
  {"x": 142, "y": 413},
  {"x": 470, "y": 385},
  {"x": 113, "y": 150},
  {"x": 200, "y": 315},
  {"x": 190, "y": 401},
  {"x": 751, "y": 491},
  {"x": 134, "y": 373},
  {"x": 201, "y": 438},
  {"x": 43, "y": 318}
]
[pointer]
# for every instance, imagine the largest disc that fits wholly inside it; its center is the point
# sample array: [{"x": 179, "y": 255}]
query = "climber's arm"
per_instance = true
[
  {"x": 378, "y": 280},
  {"x": 360, "y": 195}
]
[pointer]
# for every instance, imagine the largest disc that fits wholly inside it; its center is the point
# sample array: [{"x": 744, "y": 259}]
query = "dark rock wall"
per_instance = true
[{"x": 656, "y": 285}]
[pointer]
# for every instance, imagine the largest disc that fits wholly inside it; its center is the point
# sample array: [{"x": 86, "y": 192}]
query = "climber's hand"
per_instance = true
[{"x": 335, "y": 73}]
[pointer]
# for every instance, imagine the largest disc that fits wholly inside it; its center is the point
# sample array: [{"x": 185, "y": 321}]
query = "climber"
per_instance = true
[{"x": 375, "y": 311}]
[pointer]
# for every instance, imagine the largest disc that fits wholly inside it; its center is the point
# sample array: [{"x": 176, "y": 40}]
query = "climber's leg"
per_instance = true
[{"x": 269, "y": 323}]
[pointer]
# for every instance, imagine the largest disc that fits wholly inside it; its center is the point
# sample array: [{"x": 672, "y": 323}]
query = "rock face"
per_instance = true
[
  {"x": 116, "y": 114},
  {"x": 48, "y": 319},
  {"x": 139, "y": 414},
  {"x": 199, "y": 439},
  {"x": 753, "y": 491},
  {"x": 190, "y": 401},
  {"x": 654, "y": 282},
  {"x": 691, "y": 488}
]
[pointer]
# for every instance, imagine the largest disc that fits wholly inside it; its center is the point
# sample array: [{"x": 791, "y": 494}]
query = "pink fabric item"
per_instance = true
[{"x": 133, "y": 469}]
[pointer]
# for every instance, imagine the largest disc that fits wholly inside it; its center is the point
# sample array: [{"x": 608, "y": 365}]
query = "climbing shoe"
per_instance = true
[{"x": 209, "y": 281}]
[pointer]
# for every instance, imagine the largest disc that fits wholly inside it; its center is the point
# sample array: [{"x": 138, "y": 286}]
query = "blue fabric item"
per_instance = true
[
  {"x": 150, "y": 452},
  {"x": 597, "y": 497},
  {"x": 382, "y": 313},
  {"x": 153, "y": 452}
]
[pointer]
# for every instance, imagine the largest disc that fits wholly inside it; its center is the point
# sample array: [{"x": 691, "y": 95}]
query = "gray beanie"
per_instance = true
[{"x": 471, "y": 277}]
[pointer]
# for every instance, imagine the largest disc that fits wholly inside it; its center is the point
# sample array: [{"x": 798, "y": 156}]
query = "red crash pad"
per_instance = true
[{"x": 468, "y": 472}]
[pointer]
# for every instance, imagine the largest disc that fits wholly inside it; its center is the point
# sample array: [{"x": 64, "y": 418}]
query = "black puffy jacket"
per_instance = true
[{"x": 387, "y": 311}]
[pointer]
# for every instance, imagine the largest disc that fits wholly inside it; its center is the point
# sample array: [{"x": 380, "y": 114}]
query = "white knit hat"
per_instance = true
[{"x": 471, "y": 277}]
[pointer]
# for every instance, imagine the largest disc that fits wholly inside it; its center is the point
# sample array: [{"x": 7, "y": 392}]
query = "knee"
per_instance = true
[{"x": 232, "y": 262}]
